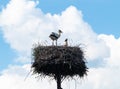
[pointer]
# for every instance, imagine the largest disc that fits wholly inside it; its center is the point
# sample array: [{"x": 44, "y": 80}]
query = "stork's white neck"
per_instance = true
[{"x": 59, "y": 34}]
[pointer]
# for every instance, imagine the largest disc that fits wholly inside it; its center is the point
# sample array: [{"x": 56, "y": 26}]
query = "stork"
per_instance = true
[
  {"x": 66, "y": 43},
  {"x": 54, "y": 36}
]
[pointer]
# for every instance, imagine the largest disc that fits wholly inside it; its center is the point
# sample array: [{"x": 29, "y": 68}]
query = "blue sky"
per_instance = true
[
  {"x": 95, "y": 23},
  {"x": 102, "y": 15}
]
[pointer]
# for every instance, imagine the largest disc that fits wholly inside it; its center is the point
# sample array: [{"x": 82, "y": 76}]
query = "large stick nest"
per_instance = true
[{"x": 53, "y": 60}]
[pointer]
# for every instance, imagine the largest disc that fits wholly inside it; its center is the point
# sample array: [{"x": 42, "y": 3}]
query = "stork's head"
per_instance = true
[
  {"x": 60, "y": 31},
  {"x": 66, "y": 40}
]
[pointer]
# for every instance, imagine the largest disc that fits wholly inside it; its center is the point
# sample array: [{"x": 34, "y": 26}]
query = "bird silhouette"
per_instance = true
[
  {"x": 66, "y": 43},
  {"x": 54, "y": 36}
]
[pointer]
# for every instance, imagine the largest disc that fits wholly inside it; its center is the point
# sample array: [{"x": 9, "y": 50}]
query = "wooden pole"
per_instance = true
[{"x": 58, "y": 79}]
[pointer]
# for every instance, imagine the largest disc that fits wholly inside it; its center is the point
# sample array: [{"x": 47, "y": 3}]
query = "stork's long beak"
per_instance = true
[{"x": 60, "y": 31}]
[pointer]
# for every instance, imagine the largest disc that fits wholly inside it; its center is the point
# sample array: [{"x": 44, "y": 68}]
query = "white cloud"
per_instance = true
[
  {"x": 98, "y": 78},
  {"x": 102, "y": 78},
  {"x": 23, "y": 24},
  {"x": 114, "y": 45},
  {"x": 15, "y": 12},
  {"x": 28, "y": 24},
  {"x": 15, "y": 78}
]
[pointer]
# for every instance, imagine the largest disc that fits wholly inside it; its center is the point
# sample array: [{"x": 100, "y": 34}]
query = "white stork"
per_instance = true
[
  {"x": 54, "y": 36},
  {"x": 66, "y": 43}
]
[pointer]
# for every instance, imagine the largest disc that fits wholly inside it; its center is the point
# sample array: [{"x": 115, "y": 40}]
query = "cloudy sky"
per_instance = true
[{"x": 94, "y": 24}]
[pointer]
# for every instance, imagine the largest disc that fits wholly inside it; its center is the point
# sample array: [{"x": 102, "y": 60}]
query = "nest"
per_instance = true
[{"x": 59, "y": 60}]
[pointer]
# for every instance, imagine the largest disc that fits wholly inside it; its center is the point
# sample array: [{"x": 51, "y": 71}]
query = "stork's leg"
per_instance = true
[
  {"x": 56, "y": 42},
  {"x": 53, "y": 43}
]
